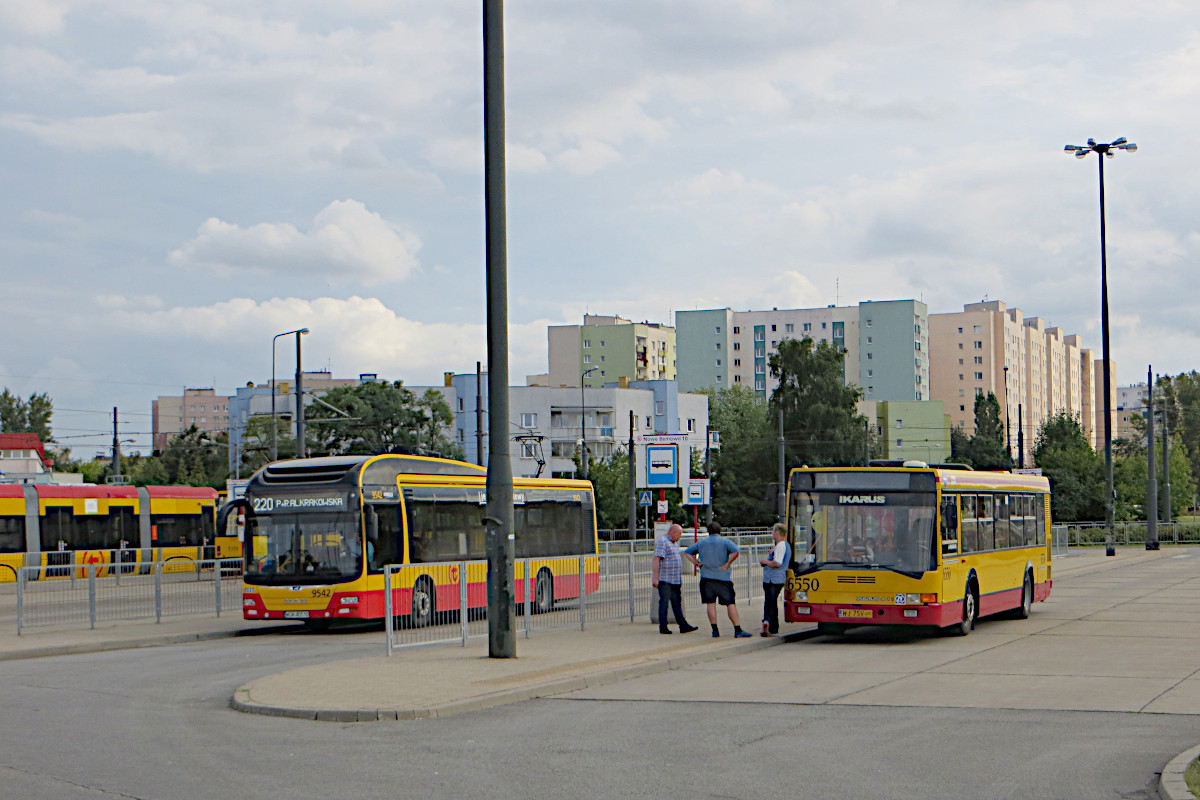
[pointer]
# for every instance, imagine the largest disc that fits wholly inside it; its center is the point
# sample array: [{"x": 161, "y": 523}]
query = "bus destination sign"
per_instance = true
[{"x": 292, "y": 503}]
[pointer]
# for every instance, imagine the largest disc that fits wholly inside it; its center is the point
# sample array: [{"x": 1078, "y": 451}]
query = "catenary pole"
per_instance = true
[
  {"x": 1151, "y": 478},
  {"x": 501, "y": 552}
]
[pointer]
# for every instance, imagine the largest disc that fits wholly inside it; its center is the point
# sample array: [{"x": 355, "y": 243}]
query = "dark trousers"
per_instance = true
[
  {"x": 669, "y": 593},
  {"x": 771, "y": 606}
]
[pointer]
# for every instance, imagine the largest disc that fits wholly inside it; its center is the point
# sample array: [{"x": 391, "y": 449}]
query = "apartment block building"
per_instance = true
[
  {"x": 606, "y": 349},
  {"x": 910, "y": 430},
  {"x": 1130, "y": 403},
  {"x": 172, "y": 415},
  {"x": 548, "y": 424},
  {"x": 886, "y": 345},
  {"x": 1034, "y": 369}
]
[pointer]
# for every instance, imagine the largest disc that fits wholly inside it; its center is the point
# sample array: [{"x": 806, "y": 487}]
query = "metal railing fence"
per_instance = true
[
  {"x": 91, "y": 593},
  {"x": 596, "y": 588},
  {"x": 1092, "y": 534}
]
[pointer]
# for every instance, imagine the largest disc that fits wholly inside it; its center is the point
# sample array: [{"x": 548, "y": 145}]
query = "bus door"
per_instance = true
[{"x": 954, "y": 571}]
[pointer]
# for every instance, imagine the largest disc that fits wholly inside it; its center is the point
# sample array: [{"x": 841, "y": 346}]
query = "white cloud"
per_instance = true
[
  {"x": 37, "y": 17},
  {"x": 345, "y": 242}
]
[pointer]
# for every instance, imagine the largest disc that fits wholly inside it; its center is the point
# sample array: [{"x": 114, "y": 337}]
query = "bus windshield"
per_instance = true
[
  {"x": 879, "y": 530},
  {"x": 303, "y": 548}
]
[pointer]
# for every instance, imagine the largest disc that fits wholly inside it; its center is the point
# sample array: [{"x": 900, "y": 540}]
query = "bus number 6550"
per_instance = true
[{"x": 805, "y": 584}]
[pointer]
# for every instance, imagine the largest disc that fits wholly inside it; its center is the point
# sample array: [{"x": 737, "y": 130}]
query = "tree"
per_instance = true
[
  {"x": 745, "y": 465},
  {"x": 258, "y": 444},
  {"x": 193, "y": 459},
  {"x": 960, "y": 446},
  {"x": 1181, "y": 399},
  {"x": 26, "y": 416},
  {"x": 380, "y": 418},
  {"x": 987, "y": 449},
  {"x": 821, "y": 423},
  {"x": 1075, "y": 470},
  {"x": 610, "y": 478}
]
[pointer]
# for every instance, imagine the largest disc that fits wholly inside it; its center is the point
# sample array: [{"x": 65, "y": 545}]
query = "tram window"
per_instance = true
[
  {"x": 12, "y": 534},
  {"x": 88, "y": 531},
  {"x": 180, "y": 530}
]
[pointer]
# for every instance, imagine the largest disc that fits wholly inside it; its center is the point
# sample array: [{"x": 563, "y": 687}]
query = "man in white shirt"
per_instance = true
[{"x": 775, "y": 569}]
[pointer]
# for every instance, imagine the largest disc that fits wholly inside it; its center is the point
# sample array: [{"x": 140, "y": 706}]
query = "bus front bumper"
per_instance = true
[{"x": 936, "y": 614}]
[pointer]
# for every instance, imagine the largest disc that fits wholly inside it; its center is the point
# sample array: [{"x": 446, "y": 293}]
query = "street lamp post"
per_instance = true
[
  {"x": 583, "y": 456},
  {"x": 274, "y": 429},
  {"x": 1007, "y": 426},
  {"x": 1103, "y": 151}
]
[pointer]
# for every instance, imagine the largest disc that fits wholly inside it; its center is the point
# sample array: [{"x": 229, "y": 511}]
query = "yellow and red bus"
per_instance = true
[
  {"x": 308, "y": 523},
  {"x": 56, "y": 525},
  {"x": 915, "y": 545}
]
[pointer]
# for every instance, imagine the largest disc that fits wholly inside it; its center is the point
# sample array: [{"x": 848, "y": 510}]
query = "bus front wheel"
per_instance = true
[
  {"x": 970, "y": 612},
  {"x": 543, "y": 592},
  {"x": 423, "y": 603}
]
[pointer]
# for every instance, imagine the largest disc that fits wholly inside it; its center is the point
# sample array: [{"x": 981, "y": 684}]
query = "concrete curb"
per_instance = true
[
  {"x": 241, "y": 698},
  {"x": 129, "y": 644},
  {"x": 1171, "y": 785}
]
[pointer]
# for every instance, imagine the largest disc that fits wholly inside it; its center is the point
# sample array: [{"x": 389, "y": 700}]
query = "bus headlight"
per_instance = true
[
  {"x": 246, "y": 601},
  {"x": 349, "y": 600},
  {"x": 800, "y": 597},
  {"x": 912, "y": 599}
]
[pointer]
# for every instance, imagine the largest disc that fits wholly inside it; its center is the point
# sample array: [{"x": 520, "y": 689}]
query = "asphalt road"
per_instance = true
[{"x": 155, "y": 723}]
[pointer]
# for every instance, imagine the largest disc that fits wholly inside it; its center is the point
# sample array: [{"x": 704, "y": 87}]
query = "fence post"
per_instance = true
[
  {"x": 388, "y": 618},
  {"x": 91, "y": 574},
  {"x": 464, "y": 612},
  {"x": 582, "y": 596},
  {"x": 632, "y": 608},
  {"x": 528, "y": 597},
  {"x": 157, "y": 566},
  {"x": 217, "y": 584},
  {"x": 21, "y": 578}
]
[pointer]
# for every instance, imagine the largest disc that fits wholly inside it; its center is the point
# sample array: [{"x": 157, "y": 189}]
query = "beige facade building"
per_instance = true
[
  {"x": 1035, "y": 370},
  {"x": 608, "y": 349},
  {"x": 172, "y": 415}
]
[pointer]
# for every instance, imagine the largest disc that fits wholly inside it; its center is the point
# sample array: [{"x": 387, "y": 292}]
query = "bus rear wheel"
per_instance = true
[
  {"x": 424, "y": 603},
  {"x": 543, "y": 592},
  {"x": 1026, "y": 606},
  {"x": 970, "y": 612}
]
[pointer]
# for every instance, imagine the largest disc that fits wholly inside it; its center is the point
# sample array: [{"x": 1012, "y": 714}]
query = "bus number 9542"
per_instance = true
[{"x": 803, "y": 584}]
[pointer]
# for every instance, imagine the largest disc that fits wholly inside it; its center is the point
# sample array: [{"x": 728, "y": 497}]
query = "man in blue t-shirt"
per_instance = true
[{"x": 714, "y": 555}]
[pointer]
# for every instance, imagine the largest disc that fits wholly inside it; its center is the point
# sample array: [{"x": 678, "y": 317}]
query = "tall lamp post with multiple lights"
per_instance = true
[
  {"x": 583, "y": 454},
  {"x": 1103, "y": 151},
  {"x": 275, "y": 430}
]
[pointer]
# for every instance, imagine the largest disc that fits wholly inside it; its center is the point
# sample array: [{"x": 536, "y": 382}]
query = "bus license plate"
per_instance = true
[
  {"x": 295, "y": 615},
  {"x": 857, "y": 613}
]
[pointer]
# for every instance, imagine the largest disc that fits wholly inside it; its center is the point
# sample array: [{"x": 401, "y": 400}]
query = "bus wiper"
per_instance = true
[{"x": 915, "y": 575}]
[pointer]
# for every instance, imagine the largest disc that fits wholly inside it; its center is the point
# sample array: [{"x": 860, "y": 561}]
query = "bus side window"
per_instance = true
[
  {"x": 385, "y": 549},
  {"x": 1003, "y": 514},
  {"x": 970, "y": 524},
  {"x": 949, "y": 525},
  {"x": 986, "y": 518}
]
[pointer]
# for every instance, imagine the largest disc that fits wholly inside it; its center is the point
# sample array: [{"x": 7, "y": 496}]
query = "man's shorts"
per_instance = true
[{"x": 715, "y": 591}]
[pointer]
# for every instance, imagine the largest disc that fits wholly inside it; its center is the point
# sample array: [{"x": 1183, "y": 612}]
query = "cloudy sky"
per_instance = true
[{"x": 184, "y": 179}]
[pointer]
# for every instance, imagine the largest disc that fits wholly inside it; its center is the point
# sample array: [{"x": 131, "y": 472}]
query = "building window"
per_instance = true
[
  {"x": 868, "y": 323},
  {"x": 960, "y": 377},
  {"x": 960, "y": 330},
  {"x": 899, "y": 443},
  {"x": 978, "y": 359},
  {"x": 807, "y": 326},
  {"x": 979, "y": 391},
  {"x": 870, "y": 340},
  {"x": 587, "y": 342},
  {"x": 718, "y": 329},
  {"x": 772, "y": 329},
  {"x": 870, "y": 389},
  {"x": 977, "y": 329},
  {"x": 528, "y": 420},
  {"x": 773, "y": 343},
  {"x": 718, "y": 362},
  {"x": 460, "y": 404},
  {"x": 718, "y": 379},
  {"x": 737, "y": 362},
  {"x": 648, "y": 423},
  {"x": 870, "y": 356},
  {"x": 602, "y": 343},
  {"x": 899, "y": 423},
  {"x": 737, "y": 378},
  {"x": 660, "y": 408},
  {"x": 587, "y": 358},
  {"x": 718, "y": 345},
  {"x": 528, "y": 449},
  {"x": 737, "y": 329},
  {"x": 870, "y": 373},
  {"x": 823, "y": 326},
  {"x": 960, "y": 361},
  {"x": 978, "y": 376},
  {"x": 737, "y": 345},
  {"x": 978, "y": 345},
  {"x": 960, "y": 345},
  {"x": 691, "y": 424},
  {"x": 961, "y": 407},
  {"x": 788, "y": 328}
]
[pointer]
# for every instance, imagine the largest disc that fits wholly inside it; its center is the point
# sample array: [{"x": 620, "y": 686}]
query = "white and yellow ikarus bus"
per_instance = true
[
  {"x": 914, "y": 545},
  {"x": 308, "y": 523}
]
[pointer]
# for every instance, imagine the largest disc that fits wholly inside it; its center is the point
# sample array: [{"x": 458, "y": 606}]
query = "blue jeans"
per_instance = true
[{"x": 669, "y": 593}]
